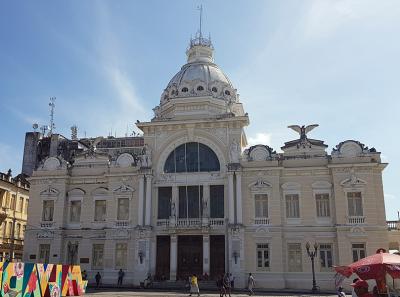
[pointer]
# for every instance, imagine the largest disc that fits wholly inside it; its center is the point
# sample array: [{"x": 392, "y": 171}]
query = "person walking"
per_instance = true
[
  {"x": 227, "y": 284},
  {"x": 250, "y": 284},
  {"x": 121, "y": 275},
  {"x": 98, "y": 279},
  {"x": 194, "y": 286},
  {"x": 220, "y": 285}
]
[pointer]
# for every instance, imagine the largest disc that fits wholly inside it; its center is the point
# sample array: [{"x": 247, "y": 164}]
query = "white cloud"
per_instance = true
[{"x": 259, "y": 138}]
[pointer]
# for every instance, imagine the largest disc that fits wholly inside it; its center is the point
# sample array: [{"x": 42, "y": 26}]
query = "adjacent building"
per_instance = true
[
  {"x": 14, "y": 201},
  {"x": 190, "y": 196}
]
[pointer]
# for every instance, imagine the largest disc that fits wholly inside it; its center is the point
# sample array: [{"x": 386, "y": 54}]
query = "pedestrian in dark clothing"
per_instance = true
[
  {"x": 120, "y": 277},
  {"x": 98, "y": 279},
  {"x": 227, "y": 284},
  {"x": 220, "y": 285}
]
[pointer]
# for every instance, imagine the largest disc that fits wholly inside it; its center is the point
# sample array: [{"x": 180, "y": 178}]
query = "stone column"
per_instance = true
[
  {"x": 206, "y": 254},
  {"x": 173, "y": 258},
  {"x": 231, "y": 202},
  {"x": 141, "y": 200},
  {"x": 239, "y": 212},
  {"x": 148, "y": 200}
]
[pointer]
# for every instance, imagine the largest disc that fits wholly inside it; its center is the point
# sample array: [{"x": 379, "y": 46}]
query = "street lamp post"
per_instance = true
[{"x": 312, "y": 255}]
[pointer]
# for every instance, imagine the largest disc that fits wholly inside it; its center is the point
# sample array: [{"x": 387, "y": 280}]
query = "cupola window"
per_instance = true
[
  {"x": 200, "y": 88},
  {"x": 185, "y": 90},
  {"x": 192, "y": 157}
]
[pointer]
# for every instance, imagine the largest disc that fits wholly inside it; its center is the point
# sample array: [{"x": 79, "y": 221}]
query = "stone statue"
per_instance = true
[
  {"x": 303, "y": 130},
  {"x": 205, "y": 208},
  {"x": 173, "y": 210},
  {"x": 234, "y": 152},
  {"x": 146, "y": 156}
]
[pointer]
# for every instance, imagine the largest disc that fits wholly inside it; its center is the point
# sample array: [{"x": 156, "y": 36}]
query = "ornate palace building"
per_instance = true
[
  {"x": 14, "y": 200},
  {"x": 189, "y": 196}
]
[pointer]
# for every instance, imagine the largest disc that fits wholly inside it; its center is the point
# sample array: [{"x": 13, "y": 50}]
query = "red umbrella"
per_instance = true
[{"x": 373, "y": 267}]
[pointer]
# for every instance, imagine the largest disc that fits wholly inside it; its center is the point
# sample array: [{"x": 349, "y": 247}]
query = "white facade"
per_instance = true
[{"x": 194, "y": 198}]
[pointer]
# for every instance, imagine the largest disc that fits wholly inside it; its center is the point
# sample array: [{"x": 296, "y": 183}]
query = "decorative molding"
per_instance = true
[
  {"x": 321, "y": 185},
  {"x": 260, "y": 186},
  {"x": 50, "y": 193},
  {"x": 291, "y": 186},
  {"x": 353, "y": 181}
]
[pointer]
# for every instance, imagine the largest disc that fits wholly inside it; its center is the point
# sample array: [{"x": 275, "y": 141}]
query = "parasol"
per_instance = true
[{"x": 373, "y": 267}]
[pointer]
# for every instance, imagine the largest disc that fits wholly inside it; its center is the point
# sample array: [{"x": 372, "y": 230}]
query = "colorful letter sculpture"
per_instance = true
[{"x": 40, "y": 280}]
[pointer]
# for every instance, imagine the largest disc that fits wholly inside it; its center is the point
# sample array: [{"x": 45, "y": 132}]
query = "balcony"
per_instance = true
[
  {"x": 355, "y": 220},
  {"x": 122, "y": 224},
  {"x": 188, "y": 223},
  {"x": 393, "y": 225},
  {"x": 163, "y": 222},
  {"x": 261, "y": 221},
  {"x": 47, "y": 224},
  {"x": 220, "y": 222}
]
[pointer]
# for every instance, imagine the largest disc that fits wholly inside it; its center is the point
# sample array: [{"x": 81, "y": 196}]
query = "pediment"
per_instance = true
[
  {"x": 123, "y": 188},
  {"x": 125, "y": 160},
  {"x": 50, "y": 192},
  {"x": 51, "y": 163},
  {"x": 353, "y": 181},
  {"x": 260, "y": 185}
]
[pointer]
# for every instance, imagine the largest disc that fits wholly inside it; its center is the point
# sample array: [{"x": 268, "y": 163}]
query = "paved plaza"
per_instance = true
[{"x": 121, "y": 293}]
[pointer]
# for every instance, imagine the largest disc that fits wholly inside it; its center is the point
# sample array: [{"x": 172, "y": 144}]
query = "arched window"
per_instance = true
[{"x": 192, "y": 157}]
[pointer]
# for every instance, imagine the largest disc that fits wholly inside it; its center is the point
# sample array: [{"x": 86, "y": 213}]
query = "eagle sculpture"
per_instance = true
[{"x": 303, "y": 130}]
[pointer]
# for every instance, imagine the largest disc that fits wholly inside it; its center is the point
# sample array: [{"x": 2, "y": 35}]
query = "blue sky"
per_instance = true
[{"x": 335, "y": 63}]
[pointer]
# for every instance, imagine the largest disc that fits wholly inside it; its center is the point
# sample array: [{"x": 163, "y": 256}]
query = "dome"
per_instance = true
[{"x": 200, "y": 77}]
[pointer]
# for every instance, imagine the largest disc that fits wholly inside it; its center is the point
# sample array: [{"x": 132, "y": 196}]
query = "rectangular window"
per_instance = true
[
  {"x": 325, "y": 256},
  {"x": 97, "y": 256},
  {"x": 358, "y": 251},
  {"x": 164, "y": 202},
  {"x": 21, "y": 204},
  {"x": 217, "y": 201},
  {"x": 44, "y": 253},
  {"x": 13, "y": 201},
  {"x": 123, "y": 209},
  {"x": 121, "y": 259},
  {"x": 262, "y": 256},
  {"x": 100, "y": 208},
  {"x": 190, "y": 201},
  {"x": 323, "y": 208},
  {"x": 17, "y": 231},
  {"x": 294, "y": 257},
  {"x": 261, "y": 205},
  {"x": 292, "y": 206},
  {"x": 75, "y": 212},
  {"x": 355, "y": 204},
  {"x": 48, "y": 210},
  {"x": 26, "y": 206}
]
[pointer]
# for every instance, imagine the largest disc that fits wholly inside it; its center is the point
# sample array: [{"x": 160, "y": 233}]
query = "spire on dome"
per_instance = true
[{"x": 200, "y": 48}]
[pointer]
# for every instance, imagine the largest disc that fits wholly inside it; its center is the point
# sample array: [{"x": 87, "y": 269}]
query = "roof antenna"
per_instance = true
[{"x": 52, "y": 106}]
